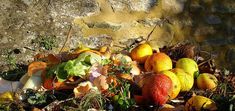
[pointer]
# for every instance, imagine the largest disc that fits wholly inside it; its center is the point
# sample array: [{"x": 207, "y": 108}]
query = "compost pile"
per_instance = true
[{"x": 173, "y": 78}]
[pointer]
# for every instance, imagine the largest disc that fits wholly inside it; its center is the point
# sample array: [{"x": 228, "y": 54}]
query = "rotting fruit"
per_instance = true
[
  {"x": 157, "y": 89},
  {"x": 207, "y": 81},
  {"x": 200, "y": 103}
]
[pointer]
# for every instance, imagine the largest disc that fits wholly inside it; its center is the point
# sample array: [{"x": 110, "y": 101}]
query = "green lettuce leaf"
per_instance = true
[
  {"x": 89, "y": 58},
  {"x": 77, "y": 67},
  {"x": 61, "y": 74}
]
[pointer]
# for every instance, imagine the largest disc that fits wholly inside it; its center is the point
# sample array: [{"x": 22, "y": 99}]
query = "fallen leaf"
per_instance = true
[{"x": 36, "y": 66}]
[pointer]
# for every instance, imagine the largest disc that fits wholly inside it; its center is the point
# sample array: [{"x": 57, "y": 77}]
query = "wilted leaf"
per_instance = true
[{"x": 36, "y": 66}]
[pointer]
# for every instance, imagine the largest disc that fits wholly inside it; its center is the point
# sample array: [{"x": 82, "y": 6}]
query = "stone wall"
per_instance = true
[{"x": 28, "y": 27}]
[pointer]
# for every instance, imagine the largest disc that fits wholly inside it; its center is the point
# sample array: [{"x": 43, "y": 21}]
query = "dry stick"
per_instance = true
[
  {"x": 205, "y": 62},
  {"x": 67, "y": 38},
  {"x": 145, "y": 39},
  {"x": 209, "y": 59},
  {"x": 56, "y": 102},
  {"x": 157, "y": 24},
  {"x": 151, "y": 32}
]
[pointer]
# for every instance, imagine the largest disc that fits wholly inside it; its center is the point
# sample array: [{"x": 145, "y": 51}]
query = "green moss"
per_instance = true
[{"x": 46, "y": 42}]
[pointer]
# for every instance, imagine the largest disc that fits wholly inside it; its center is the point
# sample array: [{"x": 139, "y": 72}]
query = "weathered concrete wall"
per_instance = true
[{"x": 26, "y": 25}]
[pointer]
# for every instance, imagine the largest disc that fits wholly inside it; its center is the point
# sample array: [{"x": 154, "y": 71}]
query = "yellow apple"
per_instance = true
[
  {"x": 200, "y": 103},
  {"x": 158, "y": 62},
  {"x": 188, "y": 65},
  {"x": 141, "y": 52},
  {"x": 186, "y": 80},
  {"x": 207, "y": 81},
  {"x": 175, "y": 82}
]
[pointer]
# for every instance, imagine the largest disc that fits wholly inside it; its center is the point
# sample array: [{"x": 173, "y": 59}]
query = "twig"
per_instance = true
[
  {"x": 205, "y": 62},
  {"x": 54, "y": 103},
  {"x": 118, "y": 46},
  {"x": 68, "y": 37},
  {"x": 29, "y": 48},
  {"x": 151, "y": 32},
  {"x": 157, "y": 24}
]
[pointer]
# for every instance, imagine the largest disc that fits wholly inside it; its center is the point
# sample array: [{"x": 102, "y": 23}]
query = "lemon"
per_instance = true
[
  {"x": 175, "y": 82},
  {"x": 188, "y": 65},
  {"x": 141, "y": 52},
  {"x": 6, "y": 96},
  {"x": 199, "y": 103},
  {"x": 186, "y": 80}
]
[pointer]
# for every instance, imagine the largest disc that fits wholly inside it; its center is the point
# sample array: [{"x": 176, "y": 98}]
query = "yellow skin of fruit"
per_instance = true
[
  {"x": 141, "y": 52},
  {"x": 188, "y": 65},
  {"x": 166, "y": 107},
  {"x": 176, "y": 83},
  {"x": 207, "y": 81},
  {"x": 6, "y": 96},
  {"x": 186, "y": 80},
  {"x": 158, "y": 62},
  {"x": 198, "y": 103}
]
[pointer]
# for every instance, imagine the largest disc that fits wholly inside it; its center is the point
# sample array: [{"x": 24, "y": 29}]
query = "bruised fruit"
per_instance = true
[
  {"x": 175, "y": 82},
  {"x": 200, "y": 103},
  {"x": 157, "y": 89},
  {"x": 158, "y": 62},
  {"x": 141, "y": 52},
  {"x": 141, "y": 79},
  {"x": 207, "y": 81},
  {"x": 186, "y": 80},
  {"x": 188, "y": 65}
]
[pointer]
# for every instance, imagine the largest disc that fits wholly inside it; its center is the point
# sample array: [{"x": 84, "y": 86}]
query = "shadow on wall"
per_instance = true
[{"x": 213, "y": 28}]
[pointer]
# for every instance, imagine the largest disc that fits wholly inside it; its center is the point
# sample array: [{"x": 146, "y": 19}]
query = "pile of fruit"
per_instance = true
[{"x": 103, "y": 79}]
